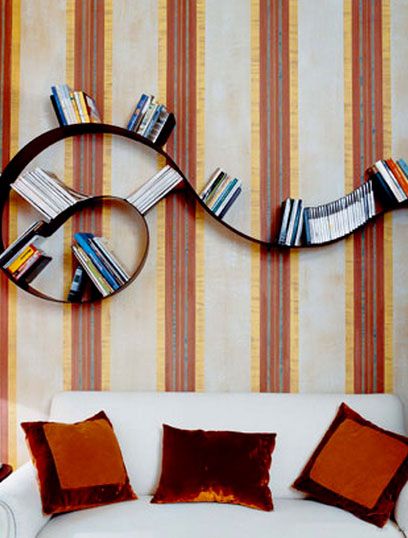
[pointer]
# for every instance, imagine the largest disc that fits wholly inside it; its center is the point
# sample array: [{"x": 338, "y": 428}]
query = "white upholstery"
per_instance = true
[
  {"x": 140, "y": 519},
  {"x": 298, "y": 419}
]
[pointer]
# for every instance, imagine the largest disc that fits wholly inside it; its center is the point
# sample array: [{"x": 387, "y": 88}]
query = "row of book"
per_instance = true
[
  {"x": 390, "y": 180},
  {"x": 154, "y": 189},
  {"x": 326, "y": 222},
  {"x": 24, "y": 259},
  {"x": 149, "y": 118},
  {"x": 73, "y": 106},
  {"x": 220, "y": 192},
  {"x": 44, "y": 191},
  {"x": 99, "y": 263}
]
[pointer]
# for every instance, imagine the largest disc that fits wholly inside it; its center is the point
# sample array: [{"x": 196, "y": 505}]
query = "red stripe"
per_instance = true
[
  {"x": 263, "y": 255},
  {"x": 180, "y": 215},
  {"x": 356, "y": 176},
  {"x": 88, "y": 320},
  {"x": 6, "y": 14}
]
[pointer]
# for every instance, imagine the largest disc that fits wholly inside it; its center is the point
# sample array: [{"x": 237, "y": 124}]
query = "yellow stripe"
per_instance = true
[
  {"x": 255, "y": 197},
  {"x": 294, "y": 190},
  {"x": 348, "y": 173},
  {"x": 388, "y": 254},
  {"x": 200, "y": 217},
  {"x": 13, "y": 232},
  {"x": 107, "y": 186},
  {"x": 161, "y": 215},
  {"x": 68, "y": 178}
]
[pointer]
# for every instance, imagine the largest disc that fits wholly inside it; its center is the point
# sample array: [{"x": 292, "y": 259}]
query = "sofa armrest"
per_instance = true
[
  {"x": 401, "y": 510},
  {"x": 21, "y": 513}
]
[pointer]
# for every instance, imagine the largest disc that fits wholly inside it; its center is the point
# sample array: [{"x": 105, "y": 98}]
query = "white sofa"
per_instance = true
[{"x": 299, "y": 420}]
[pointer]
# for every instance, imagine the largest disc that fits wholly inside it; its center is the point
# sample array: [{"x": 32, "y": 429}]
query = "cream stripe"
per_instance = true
[
  {"x": 107, "y": 187},
  {"x": 161, "y": 215},
  {"x": 294, "y": 190},
  {"x": 68, "y": 178},
  {"x": 12, "y": 301},
  {"x": 199, "y": 221},
  {"x": 348, "y": 170},
  {"x": 388, "y": 254},
  {"x": 255, "y": 196}
]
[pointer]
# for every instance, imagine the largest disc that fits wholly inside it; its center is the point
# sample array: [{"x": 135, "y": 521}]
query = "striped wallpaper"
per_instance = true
[{"x": 263, "y": 89}]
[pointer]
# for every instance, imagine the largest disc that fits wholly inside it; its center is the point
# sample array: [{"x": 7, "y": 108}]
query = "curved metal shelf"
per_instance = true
[{"x": 43, "y": 141}]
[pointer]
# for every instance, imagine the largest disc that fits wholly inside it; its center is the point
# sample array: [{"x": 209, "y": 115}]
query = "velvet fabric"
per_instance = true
[
  {"x": 216, "y": 466},
  {"x": 357, "y": 466},
  {"x": 78, "y": 465}
]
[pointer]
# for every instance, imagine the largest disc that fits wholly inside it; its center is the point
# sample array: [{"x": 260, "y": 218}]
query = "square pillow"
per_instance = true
[
  {"x": 357, "y": 466},
  {"x": 78, "y": 465},
  {"x": 216, "y": 466}
]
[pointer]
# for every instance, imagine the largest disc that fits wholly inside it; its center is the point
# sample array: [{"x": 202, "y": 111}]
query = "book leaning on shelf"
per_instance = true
[
  {"x": 73, "y": 106},
  {"x": 24, "y": 259},
  {"x": 101, "y": 265},
  {"x": 44, "y": 191},
  {"x": 390, "y": 180},
  {"x": 154, "y": 189},
  {"x": 220, "y": 192},
  {"x": 150, "y": 118}
]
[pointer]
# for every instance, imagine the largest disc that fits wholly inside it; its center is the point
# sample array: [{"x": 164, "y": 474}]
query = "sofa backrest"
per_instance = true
[{"x": 300, "y": 420}]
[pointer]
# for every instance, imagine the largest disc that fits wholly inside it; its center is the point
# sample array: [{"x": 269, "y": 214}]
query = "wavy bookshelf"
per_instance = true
[{"x": 31, "y": 150}]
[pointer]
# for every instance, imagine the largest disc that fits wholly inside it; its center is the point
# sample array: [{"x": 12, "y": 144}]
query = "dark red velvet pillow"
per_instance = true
[
  {"x": 78, "y": 465},
  {"x": 357, "y": 466},
  {"x": 220, "y": 466}
]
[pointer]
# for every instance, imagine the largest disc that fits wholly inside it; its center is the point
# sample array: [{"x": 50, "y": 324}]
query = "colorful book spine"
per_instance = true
[{"x": 83, "y": 240}]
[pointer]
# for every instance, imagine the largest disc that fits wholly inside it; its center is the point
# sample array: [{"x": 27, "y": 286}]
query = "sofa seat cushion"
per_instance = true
[{"x": 291, "y": 518}]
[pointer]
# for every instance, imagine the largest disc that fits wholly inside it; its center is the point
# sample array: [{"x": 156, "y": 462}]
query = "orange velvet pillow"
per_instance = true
[
  {"x": 357, "y": 466},
  {"x": 78, "y": 465},
  {"x": 220, "y": 466}
]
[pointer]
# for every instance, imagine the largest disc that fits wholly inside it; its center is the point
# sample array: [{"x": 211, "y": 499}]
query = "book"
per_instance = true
[
  {"x": 231, "y": 194},
  {"x": 77, "y": 285},
  {"x": 139, "y": 112},
  {"x": 160, "y": 124},
  {"x": 96, "y": 278},
  {"x": 83, "y": 240},
  {"x": 58, "y": 110},
  {"x": 286, "y": 208},
  {"x": 229, "y": 185},
  {"x": 92, "y": 109},
  {"x": 291, "y": 240},
  {"x": 101, "y": 246},
  {"x": 230, "y": 201},
  {"x": 291, "y": 222},
  {"x": 35, "y": 269},
  {"x": 214, "y": 179},
  {"x": 393, "y": 184},
  {"x": 30, "y": 234},
  {"x": 20, "y": 258},
  {"x": 147, "y": 117}
]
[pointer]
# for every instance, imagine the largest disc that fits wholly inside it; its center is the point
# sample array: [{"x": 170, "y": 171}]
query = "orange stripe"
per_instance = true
[{"x": 6, "y": 15}]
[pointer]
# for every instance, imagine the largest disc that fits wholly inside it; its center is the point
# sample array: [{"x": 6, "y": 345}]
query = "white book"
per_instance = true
[
  {"x": 165, "y": 188},
  {"x": 43, "y": 192},
  {"x": 147, "y": 185},
  {"x": 33, "y": 198},
  {"x": 285, "y": 220},
  {"x": 391, "y": 181},
  {"x": 42, "y": 184},
  {"x": 159, "y": 184},
  {"x": 291, "y": 221},
  {"x": 299, "y": 230}
]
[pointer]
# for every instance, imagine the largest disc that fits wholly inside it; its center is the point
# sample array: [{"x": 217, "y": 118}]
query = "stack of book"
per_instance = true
[
  {"x": 73, "y": 106},
  {"x": 154, "y": 189},
  {"x": 23, "y": 259},
  {"x": 315, "y": 225},
  {"x": 220, "y": 192},
  {"x": 149, "y": 118},
  {"x": 101, "y": 265},
  {"x": 390, "y": 179},
  {"x": 44, "y": 191}
]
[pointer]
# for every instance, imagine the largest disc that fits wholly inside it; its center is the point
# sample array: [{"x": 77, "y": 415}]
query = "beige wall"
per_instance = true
[{"x": 222, "y": 270}]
